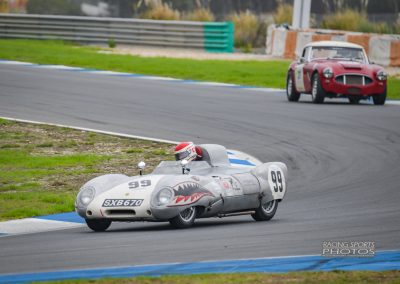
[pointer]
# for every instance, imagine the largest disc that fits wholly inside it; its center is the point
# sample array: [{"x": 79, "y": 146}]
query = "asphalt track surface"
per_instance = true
[{"x": 344, "y": 173}]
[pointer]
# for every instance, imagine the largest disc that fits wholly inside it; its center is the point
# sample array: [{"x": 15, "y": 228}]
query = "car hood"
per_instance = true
[
  {"x": 352, "y": 65},
  {"x": 341, "y": 67}
]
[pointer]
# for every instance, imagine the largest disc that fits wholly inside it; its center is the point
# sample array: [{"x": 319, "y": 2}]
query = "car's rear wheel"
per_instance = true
[
  {"x": 184, "y": 219},
  {"x": 354, "y": 100},
  {"x": 380, "y": 99},
  {"x": 291, "y": 93},
  {"x": 266, "y": 211},
  {"x": 98, "y": 225},
  {"x": 317, "y": 92}
]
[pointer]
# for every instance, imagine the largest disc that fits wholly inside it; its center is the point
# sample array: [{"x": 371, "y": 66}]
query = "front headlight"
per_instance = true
[
  {"x": 164, "y": 196},
  {"x": 86, "y": 195},
  {"x": 328, "y": 72},
  {"x": 381, "y": 75}
]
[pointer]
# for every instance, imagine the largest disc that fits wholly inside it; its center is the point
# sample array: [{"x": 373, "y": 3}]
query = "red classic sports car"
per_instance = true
[{"x": 336, "y": 69}]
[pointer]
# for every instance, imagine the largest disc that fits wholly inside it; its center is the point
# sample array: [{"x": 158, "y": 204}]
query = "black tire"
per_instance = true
[
  {"x": 98, "y": 225},
  {"x": 354, "y": 101},
  {"x": 317, "y": 92},
  {"x": 266, "y": 211},
  {"x": 380, "y": 98},
  {"x": 291, "y": 93},
  {"x": 184, "y": 219}
]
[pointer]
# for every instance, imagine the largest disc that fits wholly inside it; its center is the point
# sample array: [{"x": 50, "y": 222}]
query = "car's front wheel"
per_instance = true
[
  {"x": 291, "y": 93},
  {"x": 317, "y": 92},
  {"x": 266, "y": 211},
  {"x": 184, "y": 219},
  {"x": 380, "y": 99},
  {"x": 98, "y": 225}
]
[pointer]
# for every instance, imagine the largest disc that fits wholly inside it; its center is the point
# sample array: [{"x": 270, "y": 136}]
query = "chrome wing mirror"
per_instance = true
[
  {"x": 184, "y": 164},
  {"x": 141, "y": 167}
]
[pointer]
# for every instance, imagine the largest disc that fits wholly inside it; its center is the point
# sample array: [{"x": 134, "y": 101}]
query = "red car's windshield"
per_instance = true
[{"x": 333, "y": 52}]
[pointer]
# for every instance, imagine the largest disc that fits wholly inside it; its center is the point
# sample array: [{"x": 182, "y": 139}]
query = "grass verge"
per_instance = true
[
  {"x": 335, "y": 277},
  {"x": 253, "y": 73},
  {"x": 42, "y": 167}
]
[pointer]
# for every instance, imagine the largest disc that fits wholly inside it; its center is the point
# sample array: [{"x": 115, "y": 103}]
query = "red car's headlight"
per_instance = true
[
  {"x": 381, "y": 75},
  {"x": 327, "y": 73}
]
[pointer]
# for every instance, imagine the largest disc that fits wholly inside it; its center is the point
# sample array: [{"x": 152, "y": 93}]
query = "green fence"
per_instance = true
[{"x": 218, "y": 37}]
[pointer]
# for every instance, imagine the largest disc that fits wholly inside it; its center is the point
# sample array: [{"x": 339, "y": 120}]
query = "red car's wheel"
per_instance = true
[
  {"x": 380, "y": 99},
  {"x": 317, "y": 92},
  {"x": 291, "y": 93}
]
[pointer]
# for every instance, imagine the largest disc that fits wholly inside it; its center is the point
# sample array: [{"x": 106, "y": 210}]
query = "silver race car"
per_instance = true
[{"x": 225, "y": 183}]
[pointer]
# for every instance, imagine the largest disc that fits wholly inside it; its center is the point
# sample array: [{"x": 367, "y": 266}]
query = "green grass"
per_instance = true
[
  {"x": 22, "y": 159},
  {"x": 332, "y": 277},
  {"x": 35, "y": 203},
  {"x": 42, "y": 167},
  {"x": 394, "y": 88},
  {"x": 134, "y": 150},
  {"x": 22, "y": 195}
]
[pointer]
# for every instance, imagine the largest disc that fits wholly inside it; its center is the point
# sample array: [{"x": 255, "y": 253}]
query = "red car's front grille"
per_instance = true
[{"x": 351, "y": 79}]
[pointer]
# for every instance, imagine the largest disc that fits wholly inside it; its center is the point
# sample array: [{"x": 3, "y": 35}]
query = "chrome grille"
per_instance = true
[{"x": 352, "y": 79}]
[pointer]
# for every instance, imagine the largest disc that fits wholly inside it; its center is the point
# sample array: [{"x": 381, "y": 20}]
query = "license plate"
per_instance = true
[{"x": 122, "y": 202}]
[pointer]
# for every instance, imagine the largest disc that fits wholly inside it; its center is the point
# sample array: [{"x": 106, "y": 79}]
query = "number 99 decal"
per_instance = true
[
  {"x": 137, "y": 184},
  {"x": 276, "y": 181}
]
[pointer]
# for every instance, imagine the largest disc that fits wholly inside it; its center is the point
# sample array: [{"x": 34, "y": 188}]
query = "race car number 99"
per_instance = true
[
  {"x": 276, "y": 181},
  {"x": 276, "y": 177},
  {"x": 141, "y": 183}
]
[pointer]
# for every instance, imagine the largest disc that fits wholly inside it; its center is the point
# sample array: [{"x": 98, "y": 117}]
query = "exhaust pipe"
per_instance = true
[{"x": 236, "y": 214}]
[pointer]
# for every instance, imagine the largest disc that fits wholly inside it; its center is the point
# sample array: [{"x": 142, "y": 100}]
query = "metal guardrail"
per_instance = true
[{"x": 210, "y": 36}]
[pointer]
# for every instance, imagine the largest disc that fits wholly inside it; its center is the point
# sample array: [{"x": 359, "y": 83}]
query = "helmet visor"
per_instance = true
[{"x": 182, "y": 155}]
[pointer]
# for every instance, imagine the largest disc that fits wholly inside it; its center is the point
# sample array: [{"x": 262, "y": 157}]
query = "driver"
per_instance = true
[{"x": 188, "y": 151}]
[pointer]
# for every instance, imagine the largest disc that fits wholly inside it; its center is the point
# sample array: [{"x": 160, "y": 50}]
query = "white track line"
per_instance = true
[{"x": 34, "y": 225}]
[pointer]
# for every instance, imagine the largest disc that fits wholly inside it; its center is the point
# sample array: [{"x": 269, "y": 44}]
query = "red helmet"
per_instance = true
[{"x": 187, "y": 150}]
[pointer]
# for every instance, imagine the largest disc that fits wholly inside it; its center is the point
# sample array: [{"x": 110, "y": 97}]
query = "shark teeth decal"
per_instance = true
[{"x": 188, "y": 192}]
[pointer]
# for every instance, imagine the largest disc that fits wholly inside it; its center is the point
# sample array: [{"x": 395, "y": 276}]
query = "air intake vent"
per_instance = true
[
  {"x": 121, "y": 212},
  {"x": 355, "y": 80}
]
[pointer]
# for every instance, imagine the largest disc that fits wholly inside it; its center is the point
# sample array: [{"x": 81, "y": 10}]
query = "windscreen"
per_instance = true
[
  {"x": 342, "y": 53},
  {"x": 174, "y": 167}
]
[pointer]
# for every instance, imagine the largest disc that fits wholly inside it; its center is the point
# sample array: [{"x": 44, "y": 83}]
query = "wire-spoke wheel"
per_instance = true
[
  {"x": 380, "y": 98},
  {"x": 185, "y": 218},
  {"x": 266, "y": 211},
  {"x": 317, "y": 92},
  {"x": 291, "y": 93}
]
